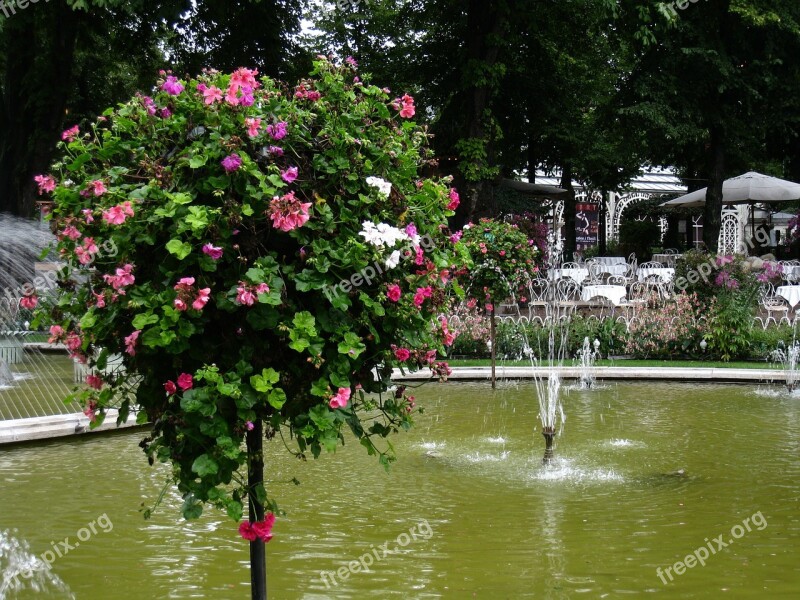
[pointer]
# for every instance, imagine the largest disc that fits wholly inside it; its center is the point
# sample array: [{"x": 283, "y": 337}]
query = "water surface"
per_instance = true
[{"x": 467, "y": 512}]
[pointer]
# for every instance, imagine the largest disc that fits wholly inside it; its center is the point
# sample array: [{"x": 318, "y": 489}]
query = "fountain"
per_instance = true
[
  {"x": 788, "y": 357},
  {"x": 558, "y": 311},
  {"x": 6, "y": 376},
  {"x": 32, "y": 383},
  {"x": 21, "y": 571},
  {"x": 586, "y": 358}
]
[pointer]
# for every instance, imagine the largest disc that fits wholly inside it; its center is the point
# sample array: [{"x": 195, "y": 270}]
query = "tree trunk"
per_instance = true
[
  {"x": 486, "y": 20},
  {"x": 602, "y": 216},
  {"x": 569, "y": 213},
  {"x": 255, "y": 479},
  {"x": 712, "y": 214},
  {"x": 40, "y": 46}
]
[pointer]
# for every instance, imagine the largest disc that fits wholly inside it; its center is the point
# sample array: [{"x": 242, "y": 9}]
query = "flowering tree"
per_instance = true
[
  {"x": 503, "y": 261},
  {"x": 277, "y": 256}
]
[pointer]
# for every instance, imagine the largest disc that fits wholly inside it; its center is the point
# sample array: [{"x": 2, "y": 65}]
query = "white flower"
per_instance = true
[
  {"x": 383, "y": 186},
  {"x": 382, "y": 235},
  {"x": 393, "y": 260}
]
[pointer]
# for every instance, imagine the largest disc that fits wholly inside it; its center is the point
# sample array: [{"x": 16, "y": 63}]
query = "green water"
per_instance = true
[{"x": 596, "y": 525}]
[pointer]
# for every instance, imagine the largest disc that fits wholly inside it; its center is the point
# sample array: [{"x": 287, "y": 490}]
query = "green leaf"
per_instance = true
[
  {"x": 88, "y": 320},
  {"x": 305, "y": 321},
  {"x": 197, "y": 161},
  {"x": 179, "y": 249},
  {"x": 205, "y": 465},
  {"x": 352, "y": 345},
  {"x": 180, "y": 198},
  {"x": 277, "y": 398},
  {"x": 141, "y": 321}
]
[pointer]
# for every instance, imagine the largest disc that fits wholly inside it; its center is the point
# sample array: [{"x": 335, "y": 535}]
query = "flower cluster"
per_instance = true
[
  {"x": 502, "y": 262},
  {"x": 234, "y": 207}
]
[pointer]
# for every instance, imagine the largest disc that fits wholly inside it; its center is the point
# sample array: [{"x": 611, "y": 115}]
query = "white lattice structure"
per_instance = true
[{"x": 650, "y": 184}]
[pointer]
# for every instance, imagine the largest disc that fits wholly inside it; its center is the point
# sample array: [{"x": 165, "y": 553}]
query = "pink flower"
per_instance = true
[
  {"x": 253, "y": 124},
  {"x": 87, "y": 213},
  {"x": 262, "y": 288},
  {"x": 93, "y": 381},
  {"x": 180, "y": 305},
  {"x": 116, "y": 215},
  {"x": 184, "y": 282},
  {"x": 56, "y": 334},
  {"x": 276, "y": 150},
  {"x": 165, "y": 113},
  {"x": 260, "y": 530},
  {"x": 148, "y": 103},
  {"x": 393, "y": 292},
  {"x": 172, "y": 86},
  {"x": 278, "y": 130},
  {"x": 289, "y": 175},
  {"x": 122, "y": 278},
  {"x": 244, "y": 296},
  {"x": 29, "y": 302},
  {"x": 456, "y": 237},
  {"x": 421, "y": 294},
  {"x": 86, "y": 251},
  {"x": 407, "y": 111},
  {"x": 185, "y": 381},
  {"x": 245, "y": 77},
  {"x": 455, "y": 200},
  {"x": 249, "y": 426},
  {"x": 46, "y": 183},
  {"x": 98, "y": 187},
  {"x": 170, "y": 388},
  {"x": 73, "y": 342},
  {"x": 340, "y": 399},
  {"x": 231, "y": 163},
  {"x": 70, "y": 134},
  {"x": 90, "y": 410},
  {"x": 131, "y": 341},
  {"x": 402, "y": 354},
  {"x": 211, "y": 95},
  {"x": 288, "y": 213},
  {"x": 100, "y": 300},
  {"x": 71, "y": 232},
  {"x": 202, "y": 299}
]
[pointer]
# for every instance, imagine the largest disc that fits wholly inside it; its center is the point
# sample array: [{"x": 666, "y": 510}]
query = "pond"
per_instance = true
[{"x": 645, "y": 475}]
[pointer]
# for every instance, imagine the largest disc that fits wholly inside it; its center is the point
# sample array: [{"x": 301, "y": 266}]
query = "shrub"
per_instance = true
[{"x": 278, "y": 255}]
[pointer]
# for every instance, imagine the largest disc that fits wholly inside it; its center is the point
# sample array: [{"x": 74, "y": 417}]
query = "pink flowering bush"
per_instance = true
[
  {"x": 239, "y": 207},
  {"x": 668, "y": 329}
]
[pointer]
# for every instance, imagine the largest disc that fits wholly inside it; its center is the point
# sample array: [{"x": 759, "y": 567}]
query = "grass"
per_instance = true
[{"x": 696, "y": 364}]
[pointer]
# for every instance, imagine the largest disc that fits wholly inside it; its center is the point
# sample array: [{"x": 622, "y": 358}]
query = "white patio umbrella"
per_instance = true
[{"x": 745, "y": 189}]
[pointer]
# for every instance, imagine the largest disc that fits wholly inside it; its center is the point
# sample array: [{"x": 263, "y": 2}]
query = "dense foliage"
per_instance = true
[{"x": 268, "y": 253}]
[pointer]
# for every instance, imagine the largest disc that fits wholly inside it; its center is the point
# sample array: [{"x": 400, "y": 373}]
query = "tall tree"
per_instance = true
[
  {"x": 704, "y": 87},
  {"x": 66, "y": 61}
]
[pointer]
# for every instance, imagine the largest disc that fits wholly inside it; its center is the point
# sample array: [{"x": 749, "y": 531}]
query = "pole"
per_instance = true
[
  {"x": 494, "y": 345},
  {"x": 255, "y": 478}
]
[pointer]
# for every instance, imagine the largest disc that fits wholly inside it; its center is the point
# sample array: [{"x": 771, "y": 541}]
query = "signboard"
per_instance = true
[{"x": 585, "y": 225}]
